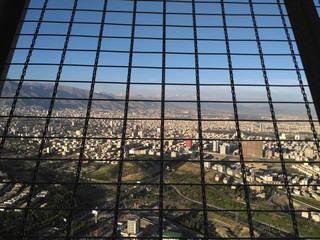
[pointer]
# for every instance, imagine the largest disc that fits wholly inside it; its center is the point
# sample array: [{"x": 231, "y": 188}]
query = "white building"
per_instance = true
[
  {"x": 224, "y": 148},
  {"x": 207, "y": 164},
  {"x": 133, "y": 226},
  {"x": 305, "y": 215},
  {"x": 215, "y": 146},
  {"x": 315, "y": 216}
]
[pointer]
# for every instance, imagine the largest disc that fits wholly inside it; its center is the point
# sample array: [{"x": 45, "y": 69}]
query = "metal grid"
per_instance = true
[{"x": 198, "y": 56}]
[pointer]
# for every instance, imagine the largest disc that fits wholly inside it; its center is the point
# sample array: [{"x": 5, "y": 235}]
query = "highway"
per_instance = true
[
  {"x": 266, "y": 229},
  {"x": 270, "y": 231},
  {"x": 306, "y": 204}
]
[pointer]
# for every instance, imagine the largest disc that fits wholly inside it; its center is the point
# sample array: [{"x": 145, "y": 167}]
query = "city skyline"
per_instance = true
[{"x": 134, "y": 118}]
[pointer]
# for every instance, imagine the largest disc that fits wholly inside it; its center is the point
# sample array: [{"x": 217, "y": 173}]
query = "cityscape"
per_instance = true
[
  {"x": 143, "y": 119},
  {"x": 182, "y": 202}
]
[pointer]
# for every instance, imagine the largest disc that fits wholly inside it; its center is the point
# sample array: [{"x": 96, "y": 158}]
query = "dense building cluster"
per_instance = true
[{"x": 103, "y": 146}]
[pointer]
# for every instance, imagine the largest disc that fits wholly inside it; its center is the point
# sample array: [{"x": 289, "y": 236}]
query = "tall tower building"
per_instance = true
[
  {"x": 188, "y": 143},
  {"x": 225, "y": 148},
  {"x": 133, "y": 225},
  {"x": 215, "y": 146}
]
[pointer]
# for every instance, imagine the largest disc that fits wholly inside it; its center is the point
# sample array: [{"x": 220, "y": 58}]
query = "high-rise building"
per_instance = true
[
  {"x": 207, "y": 164},
  {"x": 215, "y": 146},
  {"x": 188, "y": 143},
  {"x": 133, "y": 225},
  {"x": 224, "y": 148}
]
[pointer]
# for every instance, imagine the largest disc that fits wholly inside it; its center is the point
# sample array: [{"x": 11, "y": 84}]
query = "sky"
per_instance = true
[{"x": 210, "y": 40}]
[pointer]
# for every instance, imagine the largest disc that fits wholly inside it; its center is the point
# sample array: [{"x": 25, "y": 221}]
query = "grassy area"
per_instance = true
[
  {"x": 132, "y": 170},
  {"x": 216, "y": 216},
  {"x": 189, "y": 169},
  {"x": 307, "y": 228},
  {"x": 310, "y": 201},
  {"x": 105, "y": 173},
  {"x": 220, "y": 196},
  {"x": 226, "y": 198},
  {"x": 15, "y": 168},
  {"x": 136, "y": 170}
]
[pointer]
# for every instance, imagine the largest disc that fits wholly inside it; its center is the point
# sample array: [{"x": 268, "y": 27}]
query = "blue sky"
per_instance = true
[{"x": 209, "y": 28}]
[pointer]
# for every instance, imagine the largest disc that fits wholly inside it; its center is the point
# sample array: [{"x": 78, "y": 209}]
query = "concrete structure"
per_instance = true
[
  {"x": 224, "y": 148},
  {"x": 133, "y": 225},
  {"x": 215, "y": 146},
  {"x": 315, "y": 216},
  {"x": 207, "y": 164},
  {"x": 305, "y": 215},
  {"x": 252, "y": 148}
]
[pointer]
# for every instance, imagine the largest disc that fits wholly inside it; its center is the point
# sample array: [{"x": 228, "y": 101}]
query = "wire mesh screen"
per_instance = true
[{"x": 173, "y": 119}]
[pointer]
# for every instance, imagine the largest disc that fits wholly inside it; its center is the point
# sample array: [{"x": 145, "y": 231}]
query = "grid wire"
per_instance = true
[{"x": 77, "y": 162}]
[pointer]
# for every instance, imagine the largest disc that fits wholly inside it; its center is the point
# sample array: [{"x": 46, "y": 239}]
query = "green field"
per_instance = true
[
  {"x": 226, "y": 198},
  {"x": 131, "y": 171}
]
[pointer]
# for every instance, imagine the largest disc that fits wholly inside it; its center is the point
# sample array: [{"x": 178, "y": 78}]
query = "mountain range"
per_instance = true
[{"x": 39, "y": 94}]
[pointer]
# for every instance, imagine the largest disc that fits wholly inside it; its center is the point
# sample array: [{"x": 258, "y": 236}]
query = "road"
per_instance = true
[
  {"x": 271, "y": 231},
  {"x": 306, "y": 204},
  {"x": 268, "y": 230}
]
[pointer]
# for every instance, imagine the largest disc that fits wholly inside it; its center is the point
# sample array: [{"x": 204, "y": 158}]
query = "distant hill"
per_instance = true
[
  {"x": 71, "y": 97},
  {"x": 75, "y": 98}
]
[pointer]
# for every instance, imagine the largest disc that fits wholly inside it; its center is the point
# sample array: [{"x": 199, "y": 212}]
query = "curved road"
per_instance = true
[
  {"x": 306, "y": 204},
  {"x": 271, "y": 230}
]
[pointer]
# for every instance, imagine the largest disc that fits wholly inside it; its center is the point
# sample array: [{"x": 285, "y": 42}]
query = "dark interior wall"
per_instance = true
[
  {"x": 306, "y": 28},
  {"x": 11, "y": 12}
]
